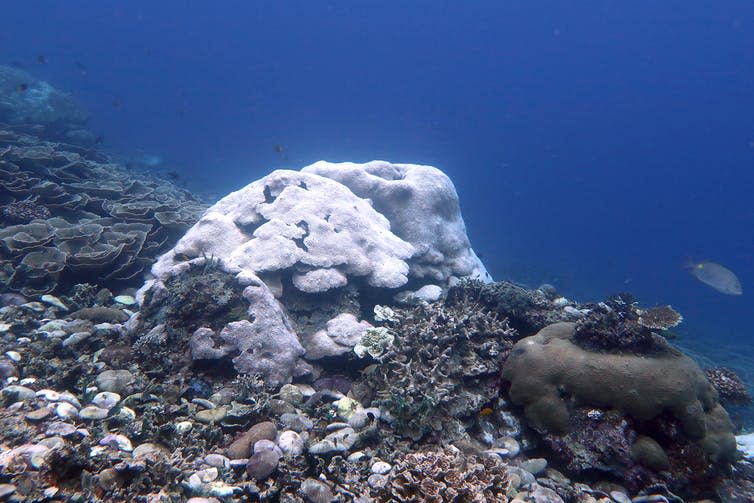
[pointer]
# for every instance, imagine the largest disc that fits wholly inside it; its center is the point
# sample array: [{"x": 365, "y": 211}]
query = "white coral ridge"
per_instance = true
[{"x": 330, "y": 222}]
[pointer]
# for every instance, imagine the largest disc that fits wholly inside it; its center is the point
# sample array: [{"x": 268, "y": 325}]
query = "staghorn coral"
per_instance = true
[
  {"x": 728, "y": 385},
  {"x": 442, "y": 366},
  {"x": 447, "y": 475}
]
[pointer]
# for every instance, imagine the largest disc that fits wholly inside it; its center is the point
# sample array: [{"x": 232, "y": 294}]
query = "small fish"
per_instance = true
[
  {"x": 81, "y": 68},
  {"x": 21, "y": 88},
  {"x": 280, "y": 150},
  {"x": 717, "y": 276},
  {"x": 42, "y": 60}
]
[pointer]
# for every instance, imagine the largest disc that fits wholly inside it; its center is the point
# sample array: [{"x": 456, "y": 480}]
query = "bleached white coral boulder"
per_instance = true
[
  {"x": 265, "y": 345},
  {"x": 422, "y": 206},
  {"x": 340, "y": 335},
  {"x": 299, "y": 241},
  {"x": 310, "y": 225}
]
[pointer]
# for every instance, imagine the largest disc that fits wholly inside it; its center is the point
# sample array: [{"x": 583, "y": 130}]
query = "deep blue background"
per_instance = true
[{"x": 595, "y": 145}]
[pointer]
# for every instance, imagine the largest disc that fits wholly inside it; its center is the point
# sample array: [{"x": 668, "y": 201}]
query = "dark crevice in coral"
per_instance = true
[
  {"x": 268, "y": 197},
  {"x": 251, "y": 227},
  {"x": 301, "y": 224},
  {"x": 219, "y": 367}
]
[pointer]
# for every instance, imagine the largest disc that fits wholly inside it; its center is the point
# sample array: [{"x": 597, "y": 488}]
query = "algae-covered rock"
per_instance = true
[{"x": 649, "y": 453}]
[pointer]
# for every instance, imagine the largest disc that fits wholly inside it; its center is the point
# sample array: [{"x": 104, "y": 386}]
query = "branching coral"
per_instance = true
[
  {"x": 442, "y": 366},
  {"x": 526, "y": 310},
  {"x": 620, "y": 325},
  {"x": 728, "y": 385}
]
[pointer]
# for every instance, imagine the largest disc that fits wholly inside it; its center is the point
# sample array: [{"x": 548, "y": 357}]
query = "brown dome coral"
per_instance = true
[{"x": 552, "y": 378}]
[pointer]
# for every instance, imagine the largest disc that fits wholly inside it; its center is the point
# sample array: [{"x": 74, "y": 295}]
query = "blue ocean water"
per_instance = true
[{"x": 597, "y": 145}]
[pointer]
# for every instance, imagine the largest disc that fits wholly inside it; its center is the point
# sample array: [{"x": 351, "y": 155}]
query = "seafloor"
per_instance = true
[{"x": 91, "y": 415}]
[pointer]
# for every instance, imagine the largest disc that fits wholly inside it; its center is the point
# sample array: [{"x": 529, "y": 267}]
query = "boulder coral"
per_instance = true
[
  {"x": 422, "y": 206},
  {"x": 548, "y": 373},
  {"x": 327, "y": 243},
  {"x": 308, "y": 225}
]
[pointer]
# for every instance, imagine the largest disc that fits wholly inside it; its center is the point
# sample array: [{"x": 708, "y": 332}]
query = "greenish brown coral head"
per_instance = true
[{"x": 544, "y": 370}]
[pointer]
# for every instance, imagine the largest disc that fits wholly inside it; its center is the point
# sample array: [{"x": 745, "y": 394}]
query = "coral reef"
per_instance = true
[
  {"x": 728, "y": 385},
  {"x": 36, "y": 106},
  {"x": 442, "y": 367},
  {"x": 69, "y": 215},
  {"x": 549, "y": 373},
  {"x": 251, "y": 368},
  {"x": 620, "y": 324},
  {"x": 526, "y": 310},
  {"x": 91, "y": 413},
  {"x": 325, "y": 254}
]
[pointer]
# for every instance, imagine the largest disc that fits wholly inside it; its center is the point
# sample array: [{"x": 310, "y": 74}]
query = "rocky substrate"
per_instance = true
[{"x": 85, "y": 420}]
